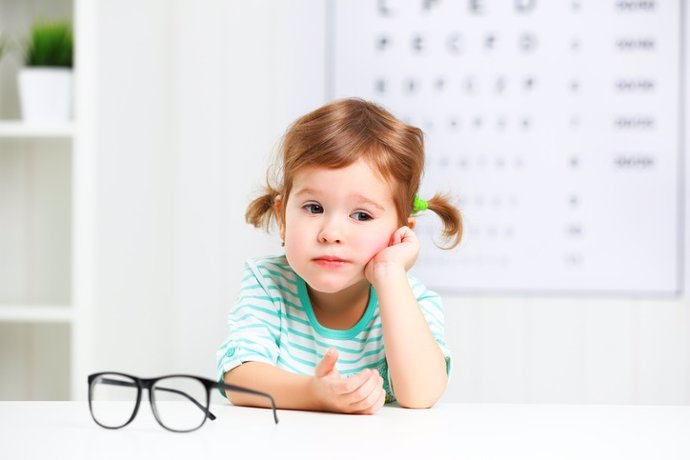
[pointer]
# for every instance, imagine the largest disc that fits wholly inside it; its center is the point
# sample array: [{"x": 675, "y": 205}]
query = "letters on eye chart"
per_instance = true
[{"x": 558, "y": 125}]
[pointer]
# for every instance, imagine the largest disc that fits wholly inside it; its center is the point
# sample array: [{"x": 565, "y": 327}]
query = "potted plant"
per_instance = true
[{"x": 45, "y": 83}]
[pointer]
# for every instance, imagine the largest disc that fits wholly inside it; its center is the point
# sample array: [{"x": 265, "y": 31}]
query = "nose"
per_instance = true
[
  {"x": 324, "y": 238},
  {"x": 330, "y": 232}
]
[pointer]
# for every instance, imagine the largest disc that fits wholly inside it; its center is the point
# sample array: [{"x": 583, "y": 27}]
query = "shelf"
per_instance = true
[
  {"x": 20, "y": 129},
  {"x": 36, "y": 314},
  {"x": 40, "y": 186}
]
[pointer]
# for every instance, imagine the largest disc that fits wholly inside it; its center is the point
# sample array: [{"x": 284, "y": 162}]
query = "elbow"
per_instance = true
[
  {"x": 410, "y": 399},
  {"x": 416, "y": 403},
  {"x": 419, "y": 400},
  {"x": 416, "y": 406},
  {"x": 233, "y": 398},
  {"x": 241, "y": 399}
]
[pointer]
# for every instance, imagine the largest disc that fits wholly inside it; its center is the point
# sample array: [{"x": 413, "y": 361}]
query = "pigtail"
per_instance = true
[
  {"x": 451, "y": 218},
  {"x": 261, "y": 210}
]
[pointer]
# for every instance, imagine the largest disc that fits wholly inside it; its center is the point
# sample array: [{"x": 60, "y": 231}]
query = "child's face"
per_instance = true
[{"x": 336, "y": 221}]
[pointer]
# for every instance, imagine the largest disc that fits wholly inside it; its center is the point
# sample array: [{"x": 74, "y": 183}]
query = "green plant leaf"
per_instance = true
[{"x": 50, "y": 45}]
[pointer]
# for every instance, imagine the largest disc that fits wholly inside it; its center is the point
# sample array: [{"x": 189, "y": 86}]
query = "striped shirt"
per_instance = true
[{"x": 272, "y": 321}]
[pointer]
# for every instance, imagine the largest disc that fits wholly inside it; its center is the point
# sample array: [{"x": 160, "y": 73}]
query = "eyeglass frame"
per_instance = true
[{"x": 148, "y": 384}]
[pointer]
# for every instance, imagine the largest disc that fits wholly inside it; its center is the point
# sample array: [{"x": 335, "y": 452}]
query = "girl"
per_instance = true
[{"x": 336, "y": 324}]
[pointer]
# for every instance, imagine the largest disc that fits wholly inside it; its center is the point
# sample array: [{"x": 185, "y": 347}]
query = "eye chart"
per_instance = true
[{"x": 559, "y": 125}]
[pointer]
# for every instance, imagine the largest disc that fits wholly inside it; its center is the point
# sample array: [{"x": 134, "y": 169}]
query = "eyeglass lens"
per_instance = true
[
  {"x": 180, "y": 403},
  {"x": 113, "y": 400}
]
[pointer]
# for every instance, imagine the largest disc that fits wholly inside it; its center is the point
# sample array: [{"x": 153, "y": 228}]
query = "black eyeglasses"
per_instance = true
[{"x": 179, "y": 403}]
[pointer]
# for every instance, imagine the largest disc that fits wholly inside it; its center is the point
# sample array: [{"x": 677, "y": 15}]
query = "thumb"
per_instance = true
[{"x": 327, "y": 364}]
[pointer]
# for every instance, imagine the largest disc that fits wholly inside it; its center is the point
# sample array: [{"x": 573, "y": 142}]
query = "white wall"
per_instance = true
[
  {"x": 189, "y": 107},
  {"x": 190, "y": 102}
]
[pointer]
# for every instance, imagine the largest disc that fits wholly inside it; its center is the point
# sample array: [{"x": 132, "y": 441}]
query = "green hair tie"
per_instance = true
[{"x": 419, "y": 205}]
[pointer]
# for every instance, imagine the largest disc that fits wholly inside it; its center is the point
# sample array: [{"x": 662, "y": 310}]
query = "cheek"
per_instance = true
[
  {"x": 295, "y": 236},
  {"x": 294, "y": 247},
  {"x": 373, "y": 242}
]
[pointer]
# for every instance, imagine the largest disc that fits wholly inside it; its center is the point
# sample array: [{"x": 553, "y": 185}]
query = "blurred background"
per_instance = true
[{"x": 561, "y": 128}]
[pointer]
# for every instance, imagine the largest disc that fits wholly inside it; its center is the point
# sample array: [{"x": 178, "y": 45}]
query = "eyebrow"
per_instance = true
[{"x": 357, "y": 196}]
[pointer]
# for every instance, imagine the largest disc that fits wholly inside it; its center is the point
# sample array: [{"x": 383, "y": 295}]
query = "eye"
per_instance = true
[
  {"x": 313, "y": 208},
  {"x": 361, "y": 216}
]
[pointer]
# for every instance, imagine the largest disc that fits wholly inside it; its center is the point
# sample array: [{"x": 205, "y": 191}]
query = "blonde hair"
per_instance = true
[{"x": 340, "y": 133}]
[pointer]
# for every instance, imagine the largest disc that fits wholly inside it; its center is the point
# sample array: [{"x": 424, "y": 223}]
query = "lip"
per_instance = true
[{"x": 330, "y": 261}]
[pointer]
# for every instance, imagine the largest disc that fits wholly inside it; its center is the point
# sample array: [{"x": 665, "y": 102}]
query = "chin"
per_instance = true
[
  {"x": 330, "y": 283},
  {"x": 326, "y": 286}
]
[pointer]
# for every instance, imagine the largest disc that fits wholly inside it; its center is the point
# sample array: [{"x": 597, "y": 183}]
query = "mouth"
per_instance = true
[{"x": 330, "y": 261}]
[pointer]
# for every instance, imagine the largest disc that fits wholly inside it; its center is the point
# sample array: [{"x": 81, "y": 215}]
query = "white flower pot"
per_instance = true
[{"x": 45, "y": 94}]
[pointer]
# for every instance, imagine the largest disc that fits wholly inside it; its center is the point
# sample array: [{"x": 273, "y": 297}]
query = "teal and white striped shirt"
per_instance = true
[{"x": 272, "y": 321}]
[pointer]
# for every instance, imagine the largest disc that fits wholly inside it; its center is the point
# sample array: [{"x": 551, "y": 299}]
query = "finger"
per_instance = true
[
  {"x": 350, "y": 384},
  {"x": 377, "y": 405},
  {"x": 395, "y": 237},
  {"x": 327, "y": 363},
  {"x": 366, "y": 395},
  {"x": 381, "y": 401},
  {"x": 401, "y": 235},
  {"x": 406, "y": 234},
  {"x": 367, "y": 388}
]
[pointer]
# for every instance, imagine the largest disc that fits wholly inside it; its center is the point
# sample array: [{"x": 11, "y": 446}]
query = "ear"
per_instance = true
[
  {"x": 278, "y": 209},
  {"x": 411, "y": 222}
]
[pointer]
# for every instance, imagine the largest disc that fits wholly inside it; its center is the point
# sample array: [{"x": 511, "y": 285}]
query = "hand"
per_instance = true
[
  {"x": 361, "y": 393},
  {"x": 402, "y": 251}
]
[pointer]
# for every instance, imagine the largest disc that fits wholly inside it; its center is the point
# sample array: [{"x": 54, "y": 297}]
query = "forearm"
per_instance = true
[
  {"x": 289, "y": 391},
  {"x": 416, "y": 363}
]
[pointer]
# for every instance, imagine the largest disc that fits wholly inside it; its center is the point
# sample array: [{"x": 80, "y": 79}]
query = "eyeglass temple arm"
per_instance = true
[
  {"x": 171, "y": 390},
  {"x": 237, "y": 389}
]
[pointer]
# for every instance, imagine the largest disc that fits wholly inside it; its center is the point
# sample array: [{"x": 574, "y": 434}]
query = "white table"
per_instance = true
[{"x": 56, "y": 430}]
